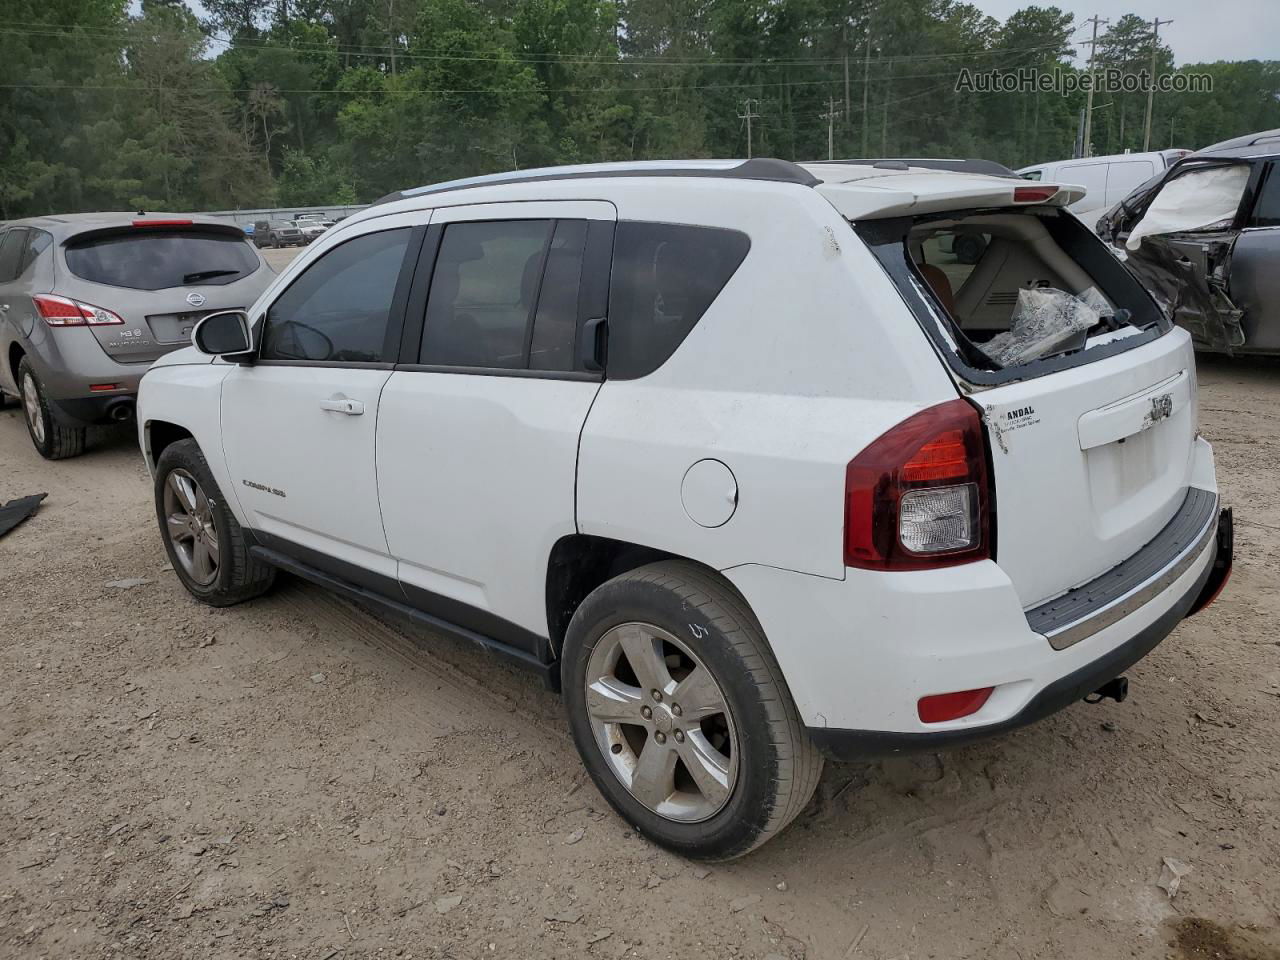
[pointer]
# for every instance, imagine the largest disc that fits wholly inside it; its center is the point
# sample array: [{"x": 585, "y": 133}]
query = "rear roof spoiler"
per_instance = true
[{"x": 987, "y": 167}]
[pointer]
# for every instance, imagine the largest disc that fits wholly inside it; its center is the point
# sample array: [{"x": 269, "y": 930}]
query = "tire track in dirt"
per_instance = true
[{"x": 459, "y": 682}]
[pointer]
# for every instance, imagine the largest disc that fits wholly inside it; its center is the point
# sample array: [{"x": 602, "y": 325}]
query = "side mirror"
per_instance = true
[{"x": 222, "y": 334}]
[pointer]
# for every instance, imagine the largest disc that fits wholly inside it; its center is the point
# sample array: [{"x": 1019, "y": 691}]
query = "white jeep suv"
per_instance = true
[{"x": 729, "y": 452}]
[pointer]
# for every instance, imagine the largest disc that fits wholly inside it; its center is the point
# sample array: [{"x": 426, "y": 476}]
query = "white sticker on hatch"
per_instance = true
[
  {"x": 1019, "y": 417},
  {"x": 1001, "y": 422}
]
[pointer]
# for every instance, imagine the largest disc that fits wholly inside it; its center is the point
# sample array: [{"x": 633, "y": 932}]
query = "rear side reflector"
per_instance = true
[
  {"x": 162, "y": 223},
  {"x": 64, "y": 312},
  {"x": 919, "y": 496},
  {"x": 1034, "y": 194},
  {"x": 103, "y": 387},
  {"x": 952, "y": 706}
]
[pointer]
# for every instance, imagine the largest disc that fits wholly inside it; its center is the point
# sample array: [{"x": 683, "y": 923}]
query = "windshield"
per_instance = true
[{"x": 160, "y": 259}]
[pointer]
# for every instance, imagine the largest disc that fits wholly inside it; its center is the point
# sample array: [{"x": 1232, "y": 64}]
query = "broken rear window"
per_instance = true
[{"x": 1014, "y": 293}]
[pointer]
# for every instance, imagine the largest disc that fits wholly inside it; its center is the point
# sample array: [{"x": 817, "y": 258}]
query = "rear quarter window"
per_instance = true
[
  {"x": 161, "y": 259},
  {"x": 665, "y": 276}
]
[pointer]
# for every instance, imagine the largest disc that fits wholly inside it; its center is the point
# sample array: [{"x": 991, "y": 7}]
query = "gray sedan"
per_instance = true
[{"x": 88, "y": 301}]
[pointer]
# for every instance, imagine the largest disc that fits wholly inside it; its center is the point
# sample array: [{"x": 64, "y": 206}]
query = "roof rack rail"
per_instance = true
[
  {"x": 757, "y": 168},
  {"x": 972, "y": 165}
]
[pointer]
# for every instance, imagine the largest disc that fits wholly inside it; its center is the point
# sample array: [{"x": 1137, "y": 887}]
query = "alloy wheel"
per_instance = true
[
  {"x": 662, "y": 722},
  {"x": 31, "y": 404},
  {"x": 189, "y": 525}
]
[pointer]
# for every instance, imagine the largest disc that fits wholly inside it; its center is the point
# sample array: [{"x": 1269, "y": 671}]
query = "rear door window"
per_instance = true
[
  {"x": 483, "y": 293},
  {"x": 159, "y": 259},
  {"x": 37, "y": 244},
  {"x": 11, "y": 244},
  {"x": 665, "y": 276}
]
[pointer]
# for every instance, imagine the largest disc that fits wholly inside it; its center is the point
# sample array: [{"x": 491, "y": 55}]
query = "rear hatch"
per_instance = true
[
  {"x": 1087, "y": 391},
  {"x": 160, "y": 278}
]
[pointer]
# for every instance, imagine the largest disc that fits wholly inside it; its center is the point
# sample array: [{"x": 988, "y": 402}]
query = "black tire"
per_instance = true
[
  {"x": 59, "y": 442},
  {"x": 777, "y": 765},
  {"x": 239, "y": 576}
]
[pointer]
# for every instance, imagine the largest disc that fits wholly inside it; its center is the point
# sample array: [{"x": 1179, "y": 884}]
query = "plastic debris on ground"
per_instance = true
[
  {"x": 15, "y": 511},
  {"x": 1045, "y": 321}
]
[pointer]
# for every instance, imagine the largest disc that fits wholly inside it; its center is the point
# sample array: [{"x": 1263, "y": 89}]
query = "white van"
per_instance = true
[{"x": 1107, "y": 180}]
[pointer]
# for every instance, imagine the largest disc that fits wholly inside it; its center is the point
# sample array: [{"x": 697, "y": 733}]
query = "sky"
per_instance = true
[{"x": 1202, "y": 30}]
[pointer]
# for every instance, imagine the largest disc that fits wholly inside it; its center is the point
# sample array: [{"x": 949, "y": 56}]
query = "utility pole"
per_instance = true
[
  {"x": 748, "y": 115},
  {"x": 830, "y": 117},
  {"x": 1088, "y": 109},
  {"x": 1151, "y": 89},
  {"x": 866, "y": 89},
  {"x": 844, "y": 45}
]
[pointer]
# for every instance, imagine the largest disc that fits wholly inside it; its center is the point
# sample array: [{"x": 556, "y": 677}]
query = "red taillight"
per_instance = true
[
  {"x": 1034, "y": 194},
  {"x": 918, "y": 497},
  {"x": 63, "y": 312},
  {"x": 162, "y": 223},
  {"x": 952, "y": 706}
]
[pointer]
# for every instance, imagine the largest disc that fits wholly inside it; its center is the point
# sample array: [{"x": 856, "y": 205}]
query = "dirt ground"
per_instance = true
[{"x": 295, "y": 778}]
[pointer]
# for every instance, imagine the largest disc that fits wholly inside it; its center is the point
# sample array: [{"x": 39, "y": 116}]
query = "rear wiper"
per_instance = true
[{"x": 206, "y": 275}]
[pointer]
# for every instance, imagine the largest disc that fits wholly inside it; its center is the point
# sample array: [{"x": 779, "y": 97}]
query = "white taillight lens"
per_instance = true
[
  {"x": 96, "y": 316},
  {"x": 939, "y": 519}
]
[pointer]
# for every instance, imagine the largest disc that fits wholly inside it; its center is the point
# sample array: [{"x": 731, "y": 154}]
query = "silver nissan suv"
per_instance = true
[{"x": 88, "y": 301}]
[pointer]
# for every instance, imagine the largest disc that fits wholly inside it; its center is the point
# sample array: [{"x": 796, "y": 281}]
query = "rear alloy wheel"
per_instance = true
[
  {"x": 661, "y": 722},
  {"x": 205, "y": 543},
  {"x": 52, "y": 439},
  {"x": 680, "y": 712}
]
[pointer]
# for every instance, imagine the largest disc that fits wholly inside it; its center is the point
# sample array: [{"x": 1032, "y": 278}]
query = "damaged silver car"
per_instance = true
[{"x": 1204, "y": 237}]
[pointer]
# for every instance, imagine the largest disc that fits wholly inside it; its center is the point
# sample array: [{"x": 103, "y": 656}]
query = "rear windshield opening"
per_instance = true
[
  {"x": 1014, "y": 288},
  {"x": 159, "y": 259}
]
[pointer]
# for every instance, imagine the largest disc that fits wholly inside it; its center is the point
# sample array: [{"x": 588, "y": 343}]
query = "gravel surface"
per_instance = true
[{"x": 297, "y": 778}]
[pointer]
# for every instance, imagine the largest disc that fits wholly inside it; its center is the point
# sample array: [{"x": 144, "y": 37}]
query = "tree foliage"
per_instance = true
[{"x": 245, "y": 102}]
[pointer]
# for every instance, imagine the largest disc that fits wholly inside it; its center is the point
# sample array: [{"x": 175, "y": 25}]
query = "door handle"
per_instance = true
[{"x": 340, "y": 404}]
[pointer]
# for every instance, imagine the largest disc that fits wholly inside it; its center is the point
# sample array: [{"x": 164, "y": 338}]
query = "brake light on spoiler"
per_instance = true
[
  {"x": 162, "y": 223},
  {"x": 64, "y": 312},
  {"x": 1038, "y": 194}
]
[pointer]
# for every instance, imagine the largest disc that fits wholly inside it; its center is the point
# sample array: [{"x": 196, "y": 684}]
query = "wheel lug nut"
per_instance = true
[
  {"x": 646, "y": 713},
  {"x": 679, "y": 736},
  {"x": 660, "y": 737},
  {"x": 657, "y": 695},
  {"x": 675, "y": 709}
]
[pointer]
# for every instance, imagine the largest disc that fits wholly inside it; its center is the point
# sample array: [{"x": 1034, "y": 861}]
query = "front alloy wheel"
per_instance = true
[
  {"x": 190, "y": 527},
  {"x": 206, "y": 545},
  {"x": 661, "y": 722}
]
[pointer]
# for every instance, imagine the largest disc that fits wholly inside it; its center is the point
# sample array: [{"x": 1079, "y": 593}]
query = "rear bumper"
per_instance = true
[
  {"x": 858, "y": 654},
  {"x": 69, "y": 363},
  {"x": 852, "y": 745}
]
